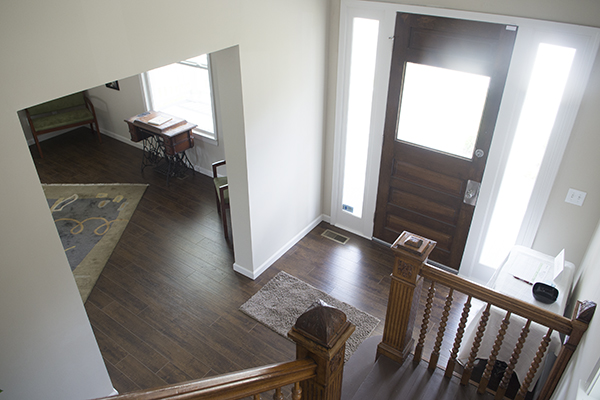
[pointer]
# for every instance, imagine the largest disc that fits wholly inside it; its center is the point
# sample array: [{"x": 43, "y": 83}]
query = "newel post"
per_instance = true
[
  {"x": 405, "y": 289},
  {"x": 320, "y": 334}
]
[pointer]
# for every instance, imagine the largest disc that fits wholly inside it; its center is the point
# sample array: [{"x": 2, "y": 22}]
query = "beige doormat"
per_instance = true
[
  {"x": 284, "y": 298},
  {"x": 90, "y": 220}
]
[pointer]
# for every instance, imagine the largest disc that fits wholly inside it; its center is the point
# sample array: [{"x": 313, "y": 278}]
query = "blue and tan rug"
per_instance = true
[{"x": 90, "y": 220}]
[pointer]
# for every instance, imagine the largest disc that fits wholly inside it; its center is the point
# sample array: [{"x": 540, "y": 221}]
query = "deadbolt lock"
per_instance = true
[{"x": 471, "y": 193}]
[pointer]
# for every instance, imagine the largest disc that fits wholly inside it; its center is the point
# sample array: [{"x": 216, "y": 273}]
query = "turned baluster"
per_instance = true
[
  {"x": 256, "y": 397},
  {"x": 435, "y": 354},
  {"x": 512, "y": 362},
  {"x": 296, "y": 391},
  {"x": 534, "y": 366},
  {"x": 405, "y": 290},
  {"x": 485, "y": 379},
  {"x": 425, "y": 324},
  {"x": 459, "y": 335},
  {"x": 582, "y": 316},
  {"x": 485, "y": 316},
  {"x": 278, "y": 395}
]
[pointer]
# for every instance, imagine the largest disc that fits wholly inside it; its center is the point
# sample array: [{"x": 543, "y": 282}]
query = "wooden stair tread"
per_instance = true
[
  {"x": 387, "y": 380},
  {"x": 359, "y": 366}
]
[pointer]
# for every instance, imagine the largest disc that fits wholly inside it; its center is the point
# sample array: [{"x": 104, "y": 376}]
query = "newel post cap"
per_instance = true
[
  {"x": 320, "y": 334},
  {"x": 322, "y": 323},
  {"x": 413, "y": 246}
]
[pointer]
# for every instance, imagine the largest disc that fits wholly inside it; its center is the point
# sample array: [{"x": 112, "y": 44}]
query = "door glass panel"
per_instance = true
[{"x": 441, "y": 108}]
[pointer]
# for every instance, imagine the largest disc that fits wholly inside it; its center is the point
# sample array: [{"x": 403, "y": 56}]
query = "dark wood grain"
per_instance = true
[
  {"x": 409, "y": 270},
  {"x": 165, "y": 307},
  {"x": 421, "y": 189}
]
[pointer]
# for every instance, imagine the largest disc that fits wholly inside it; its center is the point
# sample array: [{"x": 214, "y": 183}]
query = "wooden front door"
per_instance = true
[{"x": 446, "y": 82}]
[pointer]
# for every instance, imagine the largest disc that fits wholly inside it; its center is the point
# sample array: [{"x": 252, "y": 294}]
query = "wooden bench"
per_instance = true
[{"x": 66, "y": 112}]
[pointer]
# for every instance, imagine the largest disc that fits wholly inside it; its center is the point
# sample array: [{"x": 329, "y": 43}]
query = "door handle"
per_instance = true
[{"x": 471, "y": 193}]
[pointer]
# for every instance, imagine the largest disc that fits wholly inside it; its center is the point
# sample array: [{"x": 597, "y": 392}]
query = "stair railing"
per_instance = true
[
  {"x": 320, "y": 335},
  {"x": 410, "y": 271}
]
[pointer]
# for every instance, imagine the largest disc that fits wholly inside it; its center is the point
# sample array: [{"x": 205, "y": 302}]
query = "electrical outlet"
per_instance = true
[{"x": 575, "y": 197}]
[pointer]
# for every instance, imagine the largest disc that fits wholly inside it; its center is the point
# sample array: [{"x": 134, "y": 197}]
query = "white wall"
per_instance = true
[
  {"x": 47, "y": 348},
  {"x": 566, "y": 225},
  {"x": 283, "y": 115},
  {"x": 114, "y": 107},
  {"x": 588, "y": 353},
  {"x": 228, "y": 99},
  {"x": 328, "y": 141},
  {"x": 50, "y": 49},
  {"x": 579, "y": 170}
]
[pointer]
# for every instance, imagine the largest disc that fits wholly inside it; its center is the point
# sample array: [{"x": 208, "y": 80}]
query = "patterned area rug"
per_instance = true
[
  {"x": 284, "y": 298},
  {"x": 90, "y": 220}
]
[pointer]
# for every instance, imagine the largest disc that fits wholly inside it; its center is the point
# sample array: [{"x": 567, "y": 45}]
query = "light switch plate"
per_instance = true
[{"x": 575, "y": 197}]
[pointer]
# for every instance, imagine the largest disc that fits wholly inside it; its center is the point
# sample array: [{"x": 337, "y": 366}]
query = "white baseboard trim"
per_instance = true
[
  {"x": 203, "y": 171},
  {"x": 102, "y": 131},
  {"x": 121, "y": 138},
  {"x": 244, "y": 271},
  {"x": 47, "y": 136},
  {"x": 253, "y": 274},
  {"x": 115, "y": 136}
]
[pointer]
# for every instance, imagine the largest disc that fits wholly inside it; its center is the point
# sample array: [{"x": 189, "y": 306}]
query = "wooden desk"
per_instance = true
[{"x": 167, "y": 141}]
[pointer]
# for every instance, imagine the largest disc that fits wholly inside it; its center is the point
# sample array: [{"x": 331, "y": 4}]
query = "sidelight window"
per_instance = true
[
  {"x": 544, "y": 94},
  {"x": 358, "y": 119}
]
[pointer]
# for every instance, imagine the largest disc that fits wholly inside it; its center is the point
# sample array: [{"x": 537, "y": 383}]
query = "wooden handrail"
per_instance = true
[
  {"x": 320, "y": 335},
  {"x": 411, "y": 269},
  {"x": 515, "y": 306},
  {"x": 231, "y": 386}
]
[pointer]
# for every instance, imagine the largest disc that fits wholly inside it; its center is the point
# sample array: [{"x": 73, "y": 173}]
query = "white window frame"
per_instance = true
[
  {"x": 362, "y": 226},
  {"x": 201, "y": 134}
]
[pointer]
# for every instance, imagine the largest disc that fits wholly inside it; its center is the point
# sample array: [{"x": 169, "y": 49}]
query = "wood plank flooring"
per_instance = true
[{"x": 165, "y": 308}]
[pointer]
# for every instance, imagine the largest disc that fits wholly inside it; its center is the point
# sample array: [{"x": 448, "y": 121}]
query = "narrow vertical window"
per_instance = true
[
  {"x": 544, "y": 94},
  {"x": 358, "y": 117}
]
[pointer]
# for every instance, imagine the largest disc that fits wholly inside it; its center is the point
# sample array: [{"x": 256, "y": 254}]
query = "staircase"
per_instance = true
[
  {"x": 383, "y": 368},
  {"x": 366, "y": 378}
]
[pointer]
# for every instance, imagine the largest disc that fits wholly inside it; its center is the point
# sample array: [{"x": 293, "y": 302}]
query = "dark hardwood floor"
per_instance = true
[{"x": 165, "y": 308}]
